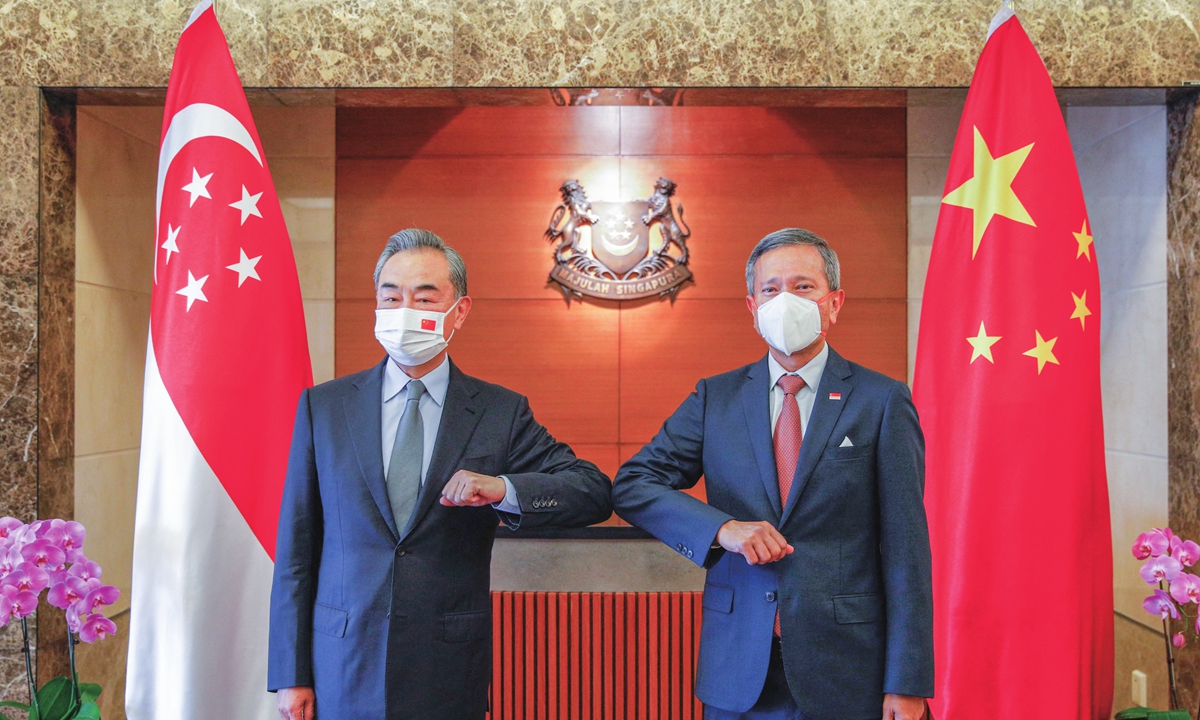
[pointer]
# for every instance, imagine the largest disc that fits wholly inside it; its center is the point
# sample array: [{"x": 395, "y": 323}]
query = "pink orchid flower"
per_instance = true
[
  {"x": 74, "y": 622},
  {"x": 28, "y": 577},
  {"x": 66, "y": 593},
  {"x": 1185, "y": 551},
  {"x": 96, "y": 627},
  {"x": 1150, "y": 544},
  {"x": 1163, "y": 568},
  {"x": 9, "y": 561},
  {"x": 20, "y": 603},
  {"x": 1185, "y": 588},
  {"x": 44, "y": 553},
  {"x": 1160, "y": 604},
  {"x": 85, "y": 569},
  {"x": 8, "y": 526},
  {"x": 1179, "y": 640},
  {"x": 98, "y": 598}
]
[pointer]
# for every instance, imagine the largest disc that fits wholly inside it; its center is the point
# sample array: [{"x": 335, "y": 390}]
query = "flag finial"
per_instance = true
[{"x": 1007, "y": 10}]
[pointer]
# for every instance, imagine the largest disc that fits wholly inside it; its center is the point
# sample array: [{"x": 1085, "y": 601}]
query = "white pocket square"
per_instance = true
[{"x": 846, "y": 442}]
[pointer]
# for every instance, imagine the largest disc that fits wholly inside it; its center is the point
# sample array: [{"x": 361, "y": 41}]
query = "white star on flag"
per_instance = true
[
  {"x": 194, "y": 290},
  {"x": 245, "y": 268},
  {"x": 198, "y": 187},
  {"x": 248, "y": 205},
  {"x": 169, "y": 245}
]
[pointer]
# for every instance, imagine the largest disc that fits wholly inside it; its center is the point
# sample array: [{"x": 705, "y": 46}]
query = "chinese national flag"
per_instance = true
[
  {"x": 1008, "y": 389},
  {"x": 226, "y": 363}
]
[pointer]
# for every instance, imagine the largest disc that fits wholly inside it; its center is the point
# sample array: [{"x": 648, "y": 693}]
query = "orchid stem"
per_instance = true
[
  {"x": 74, "y": 674},
  {"x": 33, "y": 703},
  {"x": 1170, "y": 661}
]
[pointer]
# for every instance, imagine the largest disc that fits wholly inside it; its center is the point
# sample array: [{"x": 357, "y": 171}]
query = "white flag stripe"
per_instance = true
[{"x": 198, "y": 616}]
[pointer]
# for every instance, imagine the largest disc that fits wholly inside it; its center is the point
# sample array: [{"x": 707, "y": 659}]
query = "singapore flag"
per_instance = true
[{"x": 226, "y": 363}]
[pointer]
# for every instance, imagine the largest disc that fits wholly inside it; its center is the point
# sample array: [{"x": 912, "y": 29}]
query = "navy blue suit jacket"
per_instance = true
[
  {"x": 394, "y": 625},
  {"x": 855, "y": 598}
]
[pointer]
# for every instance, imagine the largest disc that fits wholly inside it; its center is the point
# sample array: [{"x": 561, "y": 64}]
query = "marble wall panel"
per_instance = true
[
  {"x": 39, "y": 42},
  {"x": 132, "y": 42},
  {"x": 18, "y": 180},
  {"x": 1183, "y": 316},
  {"x": 592, "y": 566},
  {"x": 328, "y": 43},
  {"x": 56, "y": 346},
  {"x": 439, "y": 43},
  {"x": 638, "y": 42}
]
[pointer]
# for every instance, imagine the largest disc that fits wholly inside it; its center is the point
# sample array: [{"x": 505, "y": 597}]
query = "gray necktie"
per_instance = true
[{"x": 404, "y": 469}]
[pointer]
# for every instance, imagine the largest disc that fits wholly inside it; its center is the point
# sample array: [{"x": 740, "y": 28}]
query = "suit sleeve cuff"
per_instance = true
[{"x": 511, "y": 503}]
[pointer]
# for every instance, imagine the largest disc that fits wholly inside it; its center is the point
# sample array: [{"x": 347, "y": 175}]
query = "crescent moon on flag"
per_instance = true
[
  {"x": 198, "y": 120},
  {"x": 619, "y": 250}
]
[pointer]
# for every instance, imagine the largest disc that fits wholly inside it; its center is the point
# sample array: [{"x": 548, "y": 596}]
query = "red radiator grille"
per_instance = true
[{"x": 595, "y": 656}]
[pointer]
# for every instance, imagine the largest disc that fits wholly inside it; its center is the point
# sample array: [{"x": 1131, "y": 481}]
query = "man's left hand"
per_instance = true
[
  {"x": 470, "y": 489},
  {"x": 903, "y": 707}
]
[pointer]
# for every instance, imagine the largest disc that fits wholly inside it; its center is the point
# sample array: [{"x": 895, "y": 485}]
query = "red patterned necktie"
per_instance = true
[{"x": 788, "y": 436}]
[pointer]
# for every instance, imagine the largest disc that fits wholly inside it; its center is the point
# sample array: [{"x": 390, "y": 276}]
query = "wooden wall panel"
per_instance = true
[
  {"x": 493, "y": 210},
  {"x": 822, "y": 132},
  {"x": 858, "y": 204},
  {"x": 479, "y": 131},
  {"x": 603, "y": 376}
]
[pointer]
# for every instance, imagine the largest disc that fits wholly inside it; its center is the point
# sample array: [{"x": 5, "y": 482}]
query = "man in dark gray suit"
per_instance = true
[
  {"x": 818, "y": 599},
  {"x": 380, "y": 606}
]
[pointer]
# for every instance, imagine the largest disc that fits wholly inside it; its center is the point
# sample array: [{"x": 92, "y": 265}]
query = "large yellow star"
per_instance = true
[
  {"x": 981, "y": 345},
  {"x": 1081, "y": 309},
  {"x": 1043, "y": 351},
  {"x": 989, "y": 192},
  {"x": 1084, "y": 238}
]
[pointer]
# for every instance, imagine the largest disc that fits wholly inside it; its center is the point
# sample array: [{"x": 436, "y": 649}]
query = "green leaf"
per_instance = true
[
  {"x": 55, "y": 700},
  {"x": 1137, "y": 713},
  {"x": 4, "y": 717},
  {"x": 89, "y": 692},
  {"x": 89, "y": 711},
  {"x": 14, "y": 704},
  {"x": 33, "y": 714}
]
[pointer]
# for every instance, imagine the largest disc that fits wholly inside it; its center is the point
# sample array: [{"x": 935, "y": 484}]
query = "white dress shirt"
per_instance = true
[
  {"x": 395, "y": 396},
  {"x": 811, "y": 373}
]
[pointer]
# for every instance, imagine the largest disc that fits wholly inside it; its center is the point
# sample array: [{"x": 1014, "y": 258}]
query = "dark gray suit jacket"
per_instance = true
[
  {"x": 855, "y": 598},
  {"x": 399, "y": 627}
]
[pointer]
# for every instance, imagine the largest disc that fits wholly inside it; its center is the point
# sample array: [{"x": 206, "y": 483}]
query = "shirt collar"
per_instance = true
[
  {"x": 811, "y": 372},
  {"x": 436, "y": 381}
]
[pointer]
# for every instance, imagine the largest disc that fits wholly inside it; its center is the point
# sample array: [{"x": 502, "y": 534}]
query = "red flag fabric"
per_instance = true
[
  {"x": 226, "y": 363},
  {"x": 1007, "y": 384}
]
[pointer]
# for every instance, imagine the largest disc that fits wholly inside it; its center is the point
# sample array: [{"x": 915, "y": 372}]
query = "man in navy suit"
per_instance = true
[
  {"x": 380, "y": 605},
  {"x": 818, "y": 599}
]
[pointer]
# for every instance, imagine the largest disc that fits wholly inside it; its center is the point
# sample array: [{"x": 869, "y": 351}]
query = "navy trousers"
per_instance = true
[{"x": 775, "y": 702}]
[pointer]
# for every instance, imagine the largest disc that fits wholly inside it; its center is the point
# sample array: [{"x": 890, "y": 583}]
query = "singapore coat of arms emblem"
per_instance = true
[{"x": 607, "y": 249}]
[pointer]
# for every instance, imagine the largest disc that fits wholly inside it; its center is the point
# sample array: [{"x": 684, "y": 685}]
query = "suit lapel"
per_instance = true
[
  {"x": 460, "y": 415},
  {"x": 756, "y": 403},
  {"x": 825, "y": 414},
  {"x": 364, "y": 415}
]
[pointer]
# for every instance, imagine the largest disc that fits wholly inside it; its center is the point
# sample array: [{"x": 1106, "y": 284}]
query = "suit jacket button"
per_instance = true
[
  {"x": 689, "y": 553},
  {"x": 770, "y": 596},
  {"x": 401, "y": 552},
  {"x": 553, "y": 503}
]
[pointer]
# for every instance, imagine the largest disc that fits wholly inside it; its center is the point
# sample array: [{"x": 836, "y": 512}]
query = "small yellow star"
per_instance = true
[
  {"x": 1081, "y": 309},
  {"x": 1084, "y": 238},
  {"x": 981, "y": 345},
  {"x": 989, "y": 191},
  {"x": 1043, "y": 351}
]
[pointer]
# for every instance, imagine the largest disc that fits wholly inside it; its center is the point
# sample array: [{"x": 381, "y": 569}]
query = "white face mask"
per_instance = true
[
  {"x": 790, "y": 323},
  {"x": 412, "y": 337}
]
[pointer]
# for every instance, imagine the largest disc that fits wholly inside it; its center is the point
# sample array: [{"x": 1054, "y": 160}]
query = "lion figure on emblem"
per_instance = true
[
  {"x": 577, "y": 210},
  {"x": 668, "y": 225}
]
